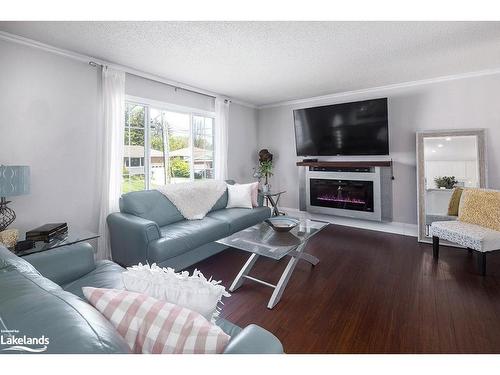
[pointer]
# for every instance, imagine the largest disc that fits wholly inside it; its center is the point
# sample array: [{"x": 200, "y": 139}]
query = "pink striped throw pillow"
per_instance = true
[{"x": 150, "y": 325}]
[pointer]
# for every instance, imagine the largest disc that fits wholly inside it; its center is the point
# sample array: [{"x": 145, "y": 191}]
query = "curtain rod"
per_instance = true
[{"x": 160, "y": 80}]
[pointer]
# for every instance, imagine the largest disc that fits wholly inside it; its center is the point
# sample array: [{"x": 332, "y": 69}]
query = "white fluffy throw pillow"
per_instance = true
[
  {"x": 239, "y": 196},
  {"x": 193, "y": 292}
]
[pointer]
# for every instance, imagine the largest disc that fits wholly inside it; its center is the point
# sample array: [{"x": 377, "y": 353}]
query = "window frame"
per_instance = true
[
  {"x": 169, "y": 107},
  {"x": 127, "y": 127}
]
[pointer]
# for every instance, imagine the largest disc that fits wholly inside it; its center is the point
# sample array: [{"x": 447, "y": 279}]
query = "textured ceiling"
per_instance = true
[{"x": 268, "y": 62}]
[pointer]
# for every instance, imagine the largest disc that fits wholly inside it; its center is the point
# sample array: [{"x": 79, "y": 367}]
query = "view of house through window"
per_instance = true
[{"x": 180, "y": 147}]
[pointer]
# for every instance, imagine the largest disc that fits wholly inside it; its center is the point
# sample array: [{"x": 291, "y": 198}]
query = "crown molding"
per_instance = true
[
  {"x": 244, "y": 104},
  {"x": 46, "y": 47},
  {"x": 13, "y": 38},
  {"x": 86, "y": 59},
  {"x": 395, "y": 86}
]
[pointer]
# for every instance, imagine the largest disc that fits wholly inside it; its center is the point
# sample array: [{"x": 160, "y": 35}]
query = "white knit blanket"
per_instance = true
[{"x": 194, "y": 199}]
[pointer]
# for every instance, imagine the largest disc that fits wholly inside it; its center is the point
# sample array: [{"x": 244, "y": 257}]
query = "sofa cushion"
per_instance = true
[
  {"x": 193, "y": 292},
  {"x": 221, "y": 202},
  {"x": 241, "y": 218},
  {"x": 151, "y": 205},
  {"x": 469, "y": 235},
  {"x": 454, "y": 202},
  {"x": 36, "y": 307},
  {"x": 107, "y": 274},
  {"x": 240, "y": 196},
  {"x": 186, "y": 235},
  {"x": 480, "y": 207},
  {"x": 156, "y": 326}
]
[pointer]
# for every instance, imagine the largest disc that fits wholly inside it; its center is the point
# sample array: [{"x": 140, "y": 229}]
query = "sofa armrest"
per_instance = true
[
  {"x": 130, "y": 236},
  {"x": 254, "y": 340},
  {"x": 64, "y": 264}
]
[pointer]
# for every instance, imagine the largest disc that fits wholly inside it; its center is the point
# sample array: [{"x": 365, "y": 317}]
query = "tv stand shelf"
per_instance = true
[{"x": 346, "y": 164}]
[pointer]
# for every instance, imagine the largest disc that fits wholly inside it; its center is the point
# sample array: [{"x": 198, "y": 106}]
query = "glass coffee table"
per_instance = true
[{"x": 262, "y": 240}]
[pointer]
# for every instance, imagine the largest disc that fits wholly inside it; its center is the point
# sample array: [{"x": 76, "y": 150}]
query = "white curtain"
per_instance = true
[
  {"x": 221, "y": 137},
  {"x": 113, "y": 112}
]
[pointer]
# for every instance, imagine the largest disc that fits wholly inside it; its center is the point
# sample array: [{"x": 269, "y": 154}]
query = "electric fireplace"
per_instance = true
[
  {"x": 352, "y": 195},
  {"x": 349, "y": 189}
]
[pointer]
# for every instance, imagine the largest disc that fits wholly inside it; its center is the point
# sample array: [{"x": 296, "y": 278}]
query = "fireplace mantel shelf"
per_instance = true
[{"x": 356, "y": 163}]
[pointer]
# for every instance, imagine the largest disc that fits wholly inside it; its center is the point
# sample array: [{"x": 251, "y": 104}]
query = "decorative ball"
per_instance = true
[{"x": 9, "y": 237}]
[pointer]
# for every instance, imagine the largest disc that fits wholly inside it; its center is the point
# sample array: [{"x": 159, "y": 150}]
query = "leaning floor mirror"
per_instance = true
[{"x": 446, "y": 160}]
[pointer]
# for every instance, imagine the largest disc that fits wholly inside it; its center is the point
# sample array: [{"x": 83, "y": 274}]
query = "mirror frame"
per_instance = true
[{"x": 480, "y": 135}]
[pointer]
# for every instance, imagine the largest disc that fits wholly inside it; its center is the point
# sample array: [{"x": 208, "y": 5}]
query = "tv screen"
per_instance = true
[{"x": 357, "y": 128}]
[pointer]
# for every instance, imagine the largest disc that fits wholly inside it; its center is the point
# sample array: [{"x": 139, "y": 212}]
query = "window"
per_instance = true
[
  {"x": 180, "y": 146},
  {"x": 133, "y": 172},
  {"x": 203, "y": 147}
]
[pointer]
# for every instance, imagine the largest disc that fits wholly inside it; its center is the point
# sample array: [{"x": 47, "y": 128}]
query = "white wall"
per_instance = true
[
  {"x": 243, "y": 142},
  {"x": 458, "y": 104},
  {"x": 49, "y": 116},
  {"x": 48, "y": 121}
]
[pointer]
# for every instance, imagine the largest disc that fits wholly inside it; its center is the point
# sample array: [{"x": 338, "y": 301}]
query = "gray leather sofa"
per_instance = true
[
  {"x": 41, "y": 295},
  {"x": 149, "y": 228}
]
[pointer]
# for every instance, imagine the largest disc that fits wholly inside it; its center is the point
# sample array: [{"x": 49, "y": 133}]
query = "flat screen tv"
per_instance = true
[{"x": 357, "y": 128}]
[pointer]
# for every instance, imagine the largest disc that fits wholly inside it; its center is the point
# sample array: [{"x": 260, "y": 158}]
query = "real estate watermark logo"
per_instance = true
[{"x": 11, "y": 340}]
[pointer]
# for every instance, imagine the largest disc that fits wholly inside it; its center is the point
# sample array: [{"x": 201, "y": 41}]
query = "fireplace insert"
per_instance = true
[{"x": 344, "y": 194}]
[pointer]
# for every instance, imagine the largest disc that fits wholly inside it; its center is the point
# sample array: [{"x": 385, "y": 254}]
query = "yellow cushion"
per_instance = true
[
  {"x": 455, "y": 201},
  {"x": 480, "y": 207}
]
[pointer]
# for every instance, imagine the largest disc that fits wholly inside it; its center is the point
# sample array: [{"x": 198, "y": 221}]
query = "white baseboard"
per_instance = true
[{"x": 388, "y": 227}]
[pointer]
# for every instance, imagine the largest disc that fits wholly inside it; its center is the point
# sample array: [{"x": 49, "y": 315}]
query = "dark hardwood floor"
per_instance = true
[{"x": 372, "y": 292}]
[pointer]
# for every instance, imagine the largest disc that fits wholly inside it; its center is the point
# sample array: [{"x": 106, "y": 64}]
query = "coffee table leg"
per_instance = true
[
  {"x": 282, "y": 283},
  {"x": 285, "y": 277},
  {"x": 243, "y": 272},
  {"x": 309, "y": 258}
]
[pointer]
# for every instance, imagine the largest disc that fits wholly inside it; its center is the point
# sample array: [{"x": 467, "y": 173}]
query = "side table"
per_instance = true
[
  {"x": 73, "y": 236},
  {"x": 273, "y": 197}
]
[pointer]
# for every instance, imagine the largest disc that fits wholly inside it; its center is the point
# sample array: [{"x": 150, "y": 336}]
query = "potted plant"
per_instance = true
[
  {"x": 445, "y": 182},
  {"x": 265, "y": 168}
]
